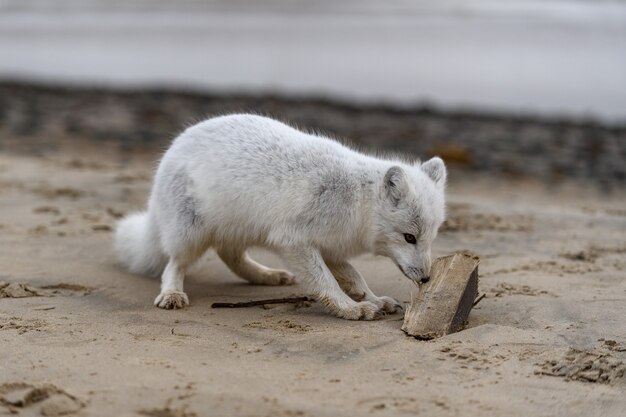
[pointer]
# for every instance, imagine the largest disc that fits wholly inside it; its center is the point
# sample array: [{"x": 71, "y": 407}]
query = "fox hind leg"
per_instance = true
[
  {"x": 172, "y": 295},
  {"x": 182, "y": 254},
  {"x": 245, "y": 267}
]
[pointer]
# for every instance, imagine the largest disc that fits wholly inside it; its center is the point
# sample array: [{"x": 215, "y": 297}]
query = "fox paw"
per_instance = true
[
  {"x": 387, "y": 304},
  {"x": 171, "y": 300},
  {"x": 276, "y": 277},
  {"x": 365, "y": 310}
]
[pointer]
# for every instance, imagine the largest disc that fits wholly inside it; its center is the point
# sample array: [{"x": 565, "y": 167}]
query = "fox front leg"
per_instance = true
[
  {"x": 352, "y": 282},
  {"x": 311, "y": 270}
]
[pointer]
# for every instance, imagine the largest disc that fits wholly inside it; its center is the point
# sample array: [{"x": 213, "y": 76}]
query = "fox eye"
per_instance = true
[{"x": 410, "y": 238}]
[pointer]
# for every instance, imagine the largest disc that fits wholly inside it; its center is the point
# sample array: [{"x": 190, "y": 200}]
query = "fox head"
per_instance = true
[{"x": 411, "y": 207}]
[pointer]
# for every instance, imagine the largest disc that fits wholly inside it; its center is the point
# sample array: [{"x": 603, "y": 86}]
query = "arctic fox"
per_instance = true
[{"x": 243, "y": 180}]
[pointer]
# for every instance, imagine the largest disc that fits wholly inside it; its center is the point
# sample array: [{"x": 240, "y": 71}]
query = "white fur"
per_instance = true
[
  {"x": 238, "y": 181},
  {"x": 137, "y": 245}
]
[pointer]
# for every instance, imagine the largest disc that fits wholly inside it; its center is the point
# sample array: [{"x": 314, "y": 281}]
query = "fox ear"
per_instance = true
[
  {"x": 395, "y": 184},
  {"x": 436, "y": 170}
]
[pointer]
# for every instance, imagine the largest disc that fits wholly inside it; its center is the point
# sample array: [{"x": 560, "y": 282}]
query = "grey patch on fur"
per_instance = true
[
  {"x": 333, "y": 195},
  {"x": 184, "y": 203}
]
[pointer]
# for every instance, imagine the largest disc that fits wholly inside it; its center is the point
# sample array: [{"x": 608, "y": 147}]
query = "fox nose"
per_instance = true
[{"x": 422, "y": 275}]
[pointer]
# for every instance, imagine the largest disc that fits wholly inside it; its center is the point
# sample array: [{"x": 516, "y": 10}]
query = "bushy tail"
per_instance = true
[{"x": 137, "y": 245}]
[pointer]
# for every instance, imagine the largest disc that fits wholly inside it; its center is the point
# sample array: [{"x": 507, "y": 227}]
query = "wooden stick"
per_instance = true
[{"x": 262, "y": 302}]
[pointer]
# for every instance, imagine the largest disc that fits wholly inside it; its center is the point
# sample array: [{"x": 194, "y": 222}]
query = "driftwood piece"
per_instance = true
[
  {"x": 443, "y": 304},
  {"x": 262, "y": 302}
]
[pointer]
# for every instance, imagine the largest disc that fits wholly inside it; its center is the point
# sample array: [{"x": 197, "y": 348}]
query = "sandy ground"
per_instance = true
[{"x": 549, "y": 339}]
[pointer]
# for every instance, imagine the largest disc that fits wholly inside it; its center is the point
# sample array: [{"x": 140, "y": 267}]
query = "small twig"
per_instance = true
[
  {"x": 44, "y": 308},
  {"x": 262, "y": 302},
  {"x": 478, "y": 300}
]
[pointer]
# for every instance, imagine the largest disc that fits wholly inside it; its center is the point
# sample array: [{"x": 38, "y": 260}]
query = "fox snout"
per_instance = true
[{"x": 418, "y": 275}]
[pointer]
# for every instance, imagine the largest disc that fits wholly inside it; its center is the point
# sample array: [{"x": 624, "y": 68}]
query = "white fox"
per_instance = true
[{"x": 242, "y": 180}]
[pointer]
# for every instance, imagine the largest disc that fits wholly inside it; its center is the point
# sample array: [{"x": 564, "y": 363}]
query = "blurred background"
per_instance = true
[{"x": 521, "y": 87}]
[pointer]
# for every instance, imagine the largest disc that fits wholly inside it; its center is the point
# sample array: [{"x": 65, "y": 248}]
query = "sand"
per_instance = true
[{"x": 80, "y": 337}]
